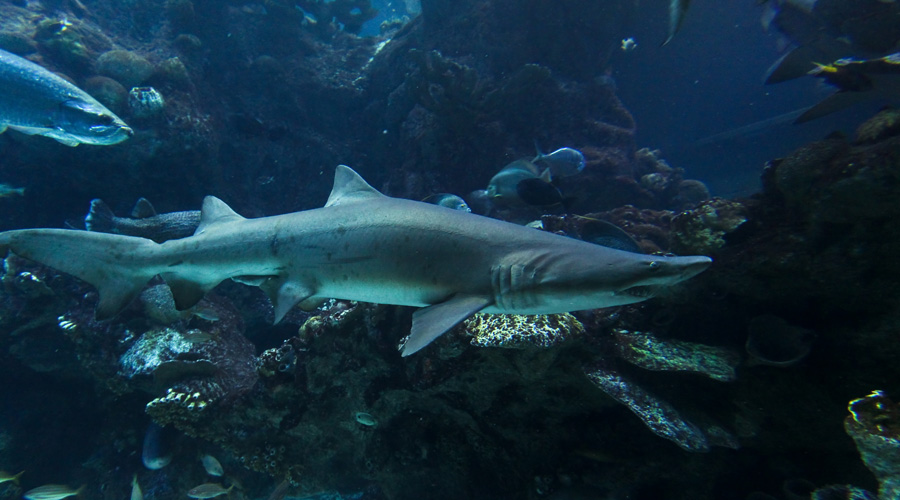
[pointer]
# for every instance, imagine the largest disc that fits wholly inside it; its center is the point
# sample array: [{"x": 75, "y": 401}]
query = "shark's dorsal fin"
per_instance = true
[
  {"x": 350, "y": 187},
  {"x": 143, "y": 209},
  {"x": 215, "y": 211}
]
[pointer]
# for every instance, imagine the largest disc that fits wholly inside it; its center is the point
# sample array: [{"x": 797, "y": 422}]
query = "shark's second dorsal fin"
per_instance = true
[
  {"x": 214, "y": 212},
  {"x": 350, "y": 187}
]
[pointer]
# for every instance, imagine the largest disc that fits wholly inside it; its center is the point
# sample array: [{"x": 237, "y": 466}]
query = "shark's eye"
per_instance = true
[
  {"x": 654, "y": 265},
  {"x": 105, "y": 119}
]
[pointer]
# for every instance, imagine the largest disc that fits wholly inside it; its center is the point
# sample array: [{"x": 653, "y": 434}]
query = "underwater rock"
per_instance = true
[
  {"x": 333, "y": 316},
  {"x": 798, "y": 174},
  {"x": 842, "y": 492},
  {"x": 659, "y": 416},
  {"x": 703, "y": 229},
  {"x": 881, "y": 126},
  {"x": 63, "y": 40},
  {"x": 517, "y": 331},
  {"x": 649, "y": 352},
  {"x": 17, "y": 43},
  {"x": 126, "y": 67},
  {"x": 145, "y": 102},
  {"x": 173, "y": 72},
  {"x": 691, "y": 192},
  {"x": 109, "y": 92},
  {"x": 773, "y": 341},
  {"x": 874, "y": 425}
]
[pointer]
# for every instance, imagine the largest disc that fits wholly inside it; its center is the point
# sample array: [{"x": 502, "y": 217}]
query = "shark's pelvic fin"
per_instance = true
[
  {"x": 431, "y": 322},
  {"x": 186, "y": 292},
  {"x": 285, "y": 294},
  {"x": 349, "y": 187},
  {"x": 214, "y": 212}
]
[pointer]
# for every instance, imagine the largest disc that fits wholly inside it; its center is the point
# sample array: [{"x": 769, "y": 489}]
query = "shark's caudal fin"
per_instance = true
[{"x": 112, "y": 263}]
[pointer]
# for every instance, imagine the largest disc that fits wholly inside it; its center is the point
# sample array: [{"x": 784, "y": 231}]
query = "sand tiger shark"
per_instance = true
[{"x": 366, "y": 246}]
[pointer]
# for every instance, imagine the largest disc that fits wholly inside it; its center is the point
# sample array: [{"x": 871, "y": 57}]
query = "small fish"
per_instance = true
[
  {"x": 212, "y": 466},
  {"x": 448, "y": 200},
  {"x": 365, "y": 419},
  {"x": 6, "y": 477},
  {"x": 563, "y": 162},
  {"x": 35, "y": 101},
  {"x": 52, "y": 492},
  {"x": 503, "y": 188},
  {"x": 7, "y": 190},
  {"x": 145, "y": 222},
  {"x": 280, "y": 491},
  {"x": 136, "y": 493},
  {"x": 628, "y": 44},
  {"x": 209, "y": 490}
]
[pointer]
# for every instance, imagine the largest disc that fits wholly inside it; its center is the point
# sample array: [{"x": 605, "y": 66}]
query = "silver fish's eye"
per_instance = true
[{"x": 105, "y": 119}]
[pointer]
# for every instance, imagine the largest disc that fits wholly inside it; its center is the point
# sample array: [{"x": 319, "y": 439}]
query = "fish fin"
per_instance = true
[
  {"x": 546, "y": 176},
  {"x": 214, "y": 212},
  {"x": 251, "y": 280},
  {"x": 2, "y": 128},
  {"x": 30, "y": 130},
  {"x": 143, "y": 209},
  {"x": 433, "y": 321},
  {"x": 831, "y": 104},
  {"x": 186, "y": 292},
  {"x": 540, "y": 153},
  {"x": 793, "y": 64},
  {"x": 100, "y": 217},
  {"x": 677, "y": 10},
  {"x": 312, "y": 303},
  {"x": 285, "y": 294},
  {"x": 350, "y": 187},
  {"x": 106, "y": 261},
  {"x": 15, "y": 479},
  {"x": 62, "y": 139}
]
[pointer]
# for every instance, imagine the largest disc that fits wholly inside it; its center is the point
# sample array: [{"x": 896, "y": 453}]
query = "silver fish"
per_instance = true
[
  {"x": 209, "y": 490},
  {"x": 52, "y": 492},
  {"x": 448, "y": 200},
  {"x": 35, "y": 101},
  {"x": 155, "y": 453},
  {"x": 212, "y": 466},
  {"x": 563, "y": 162}
]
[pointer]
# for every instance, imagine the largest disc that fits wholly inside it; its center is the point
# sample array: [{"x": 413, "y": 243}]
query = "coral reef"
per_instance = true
[
  {"x": 519, "y": 332},
  {"x": 874, "y": 425},
  {"x": 648, "y": 352}
]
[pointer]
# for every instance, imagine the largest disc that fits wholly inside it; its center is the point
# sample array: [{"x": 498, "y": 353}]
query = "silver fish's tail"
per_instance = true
[
  {"x": 116, "y": 265},
  {"x": 100, "y": 217}
]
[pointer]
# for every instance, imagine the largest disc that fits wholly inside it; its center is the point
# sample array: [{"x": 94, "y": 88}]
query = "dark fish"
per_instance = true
[
  {"x": 608, "y": 234},
  {"x": 538, "y": 193},
  {"x": 503, "y": 188},
  {"x": 149, "y": 224},
  {"x": 35, "y": 101}
]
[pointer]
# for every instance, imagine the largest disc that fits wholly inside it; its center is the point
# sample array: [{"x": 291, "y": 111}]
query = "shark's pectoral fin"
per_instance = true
[
  {"x": 285, "y": 294},
  {"x": 431, "y": 322},
  {"x": 186, "y": 292}
]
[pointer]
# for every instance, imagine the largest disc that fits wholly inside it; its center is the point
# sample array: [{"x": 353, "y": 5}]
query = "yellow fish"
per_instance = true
[{"x": 136, "y": 493}]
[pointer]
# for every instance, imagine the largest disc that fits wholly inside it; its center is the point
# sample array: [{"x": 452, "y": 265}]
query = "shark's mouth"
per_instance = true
[{"x": 640, "y": 291}]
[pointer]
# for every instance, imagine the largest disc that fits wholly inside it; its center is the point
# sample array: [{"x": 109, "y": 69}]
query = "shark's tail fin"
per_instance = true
[
  {"x": 112, "y": 263},
  {"x": 99, "y": 218}
]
